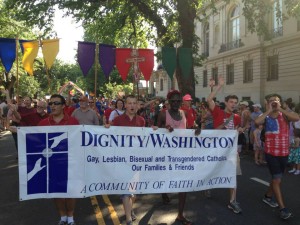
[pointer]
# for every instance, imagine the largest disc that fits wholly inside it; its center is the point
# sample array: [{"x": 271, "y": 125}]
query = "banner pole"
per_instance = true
[
  {"x": 17, "y": 69},
  {"x": 96, "y": 70}
]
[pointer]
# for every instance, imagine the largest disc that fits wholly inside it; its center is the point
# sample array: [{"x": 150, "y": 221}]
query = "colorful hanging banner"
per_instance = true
[
  {"x": 123, "y": 54},
  {"x": 86, "y": 56},
  {"x": 50, "y": 49},
  {"x": 7, "y": 52},
  {"x": 107, "y": 58},
  {"x": 185, "y": 61},
  {"x": 169, "y": 60},
  {"x": 30, "y": 53},
  {"x": 146, "y": 66}
]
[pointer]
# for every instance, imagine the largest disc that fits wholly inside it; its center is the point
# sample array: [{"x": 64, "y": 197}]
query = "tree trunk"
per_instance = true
[{"x": 187, "y": 15}]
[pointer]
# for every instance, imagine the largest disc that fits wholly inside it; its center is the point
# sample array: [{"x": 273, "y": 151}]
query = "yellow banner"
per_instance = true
[
  {"x": 50, "y": 50},
  {"x": 30, "y": 53}
]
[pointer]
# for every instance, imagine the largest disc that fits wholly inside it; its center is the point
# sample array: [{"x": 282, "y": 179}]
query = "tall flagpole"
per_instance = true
[
  {"x": 17, "y": 69},
  {"x": 96, "y": 70},
  {"x": 46, "y": 68}
]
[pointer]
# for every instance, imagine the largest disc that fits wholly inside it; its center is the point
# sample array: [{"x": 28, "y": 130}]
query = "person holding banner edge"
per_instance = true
[
  {"x": 129, "y": 119},
  {"x": 171, "y": 119},
  {"x": 226, "y": 119},
  {"x": 65, "y": 206}
]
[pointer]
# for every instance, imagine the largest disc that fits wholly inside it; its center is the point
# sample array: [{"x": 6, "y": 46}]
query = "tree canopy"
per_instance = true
[{"x": 136, "y": 23}]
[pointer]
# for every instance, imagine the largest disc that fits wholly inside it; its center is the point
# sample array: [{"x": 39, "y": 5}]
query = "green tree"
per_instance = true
[
  {"x": 256, "y": 12},
  {"x": 29, "y": 86},
  {"x": 125, "y": 22}
]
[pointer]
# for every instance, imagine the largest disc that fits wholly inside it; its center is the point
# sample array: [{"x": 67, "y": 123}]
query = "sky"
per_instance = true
[{"x": 69, "y": 33}]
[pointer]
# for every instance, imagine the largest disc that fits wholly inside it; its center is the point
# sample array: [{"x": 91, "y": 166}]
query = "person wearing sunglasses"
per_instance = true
[
  {"x": 174, "y": 118},
  {"x": 65, "y": 206}
]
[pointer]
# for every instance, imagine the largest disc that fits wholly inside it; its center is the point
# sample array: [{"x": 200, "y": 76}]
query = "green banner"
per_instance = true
[
  {"x": 169, "y": 60},
  {"x": 185, "y": 61}
]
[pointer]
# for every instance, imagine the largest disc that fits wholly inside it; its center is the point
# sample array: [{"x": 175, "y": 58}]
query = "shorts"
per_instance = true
[{"x": 277, "y": 165}]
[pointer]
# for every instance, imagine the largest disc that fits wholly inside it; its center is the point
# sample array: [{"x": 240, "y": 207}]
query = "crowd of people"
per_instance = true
[{"x": 272, "y": 133}]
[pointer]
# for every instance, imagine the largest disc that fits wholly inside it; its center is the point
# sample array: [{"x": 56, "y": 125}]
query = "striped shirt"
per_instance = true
[{"x": 276, "y": 136}]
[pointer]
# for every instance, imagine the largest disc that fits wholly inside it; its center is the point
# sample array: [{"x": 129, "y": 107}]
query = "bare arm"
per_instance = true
[{"x": 210, "y": 101}]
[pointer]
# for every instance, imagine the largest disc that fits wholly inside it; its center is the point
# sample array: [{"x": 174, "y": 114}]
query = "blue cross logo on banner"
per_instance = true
[{"x": 47, "y": 162}]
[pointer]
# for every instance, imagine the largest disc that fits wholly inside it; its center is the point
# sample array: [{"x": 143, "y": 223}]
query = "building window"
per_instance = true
[
  {"x": 273, "y": 67},
  {"x": 234, "y": 24},
  {"x": 161, "y": 84},
  {"x": 277, "y": 30},
  {"x": 214, "y": 75},
  {"x": 216, "y": 35},
  {"x": 204, "y": 78},
  {"x": 206, "y": 40},
  {"x": 230, "y": 74},
  {"x": 248, "y": 71}
]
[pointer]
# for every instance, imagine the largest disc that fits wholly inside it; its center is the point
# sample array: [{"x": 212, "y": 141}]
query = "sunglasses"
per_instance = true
[
  {"x": 40, "y": 107},
  {"x": 55, "y": 103},
  {"x": 175, "y": 101}
]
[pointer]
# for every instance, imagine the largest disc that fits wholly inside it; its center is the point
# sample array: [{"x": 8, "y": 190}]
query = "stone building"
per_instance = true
[{"x": 253, "y": 66}]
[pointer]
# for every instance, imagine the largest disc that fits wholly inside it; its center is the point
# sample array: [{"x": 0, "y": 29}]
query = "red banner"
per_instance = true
[
  {"x": 122, "y": 54},
  {"x": 146, "y": 67}
]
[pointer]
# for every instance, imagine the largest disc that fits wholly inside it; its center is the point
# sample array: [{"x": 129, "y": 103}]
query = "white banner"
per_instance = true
[{"x": 81, "y": 161}]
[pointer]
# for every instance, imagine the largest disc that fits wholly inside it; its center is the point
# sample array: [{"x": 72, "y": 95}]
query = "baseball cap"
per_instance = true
[
  {"x": 257, "y": 105},
  {"x": 244, "y": 103},
  {"x": 187, "y": 97}
]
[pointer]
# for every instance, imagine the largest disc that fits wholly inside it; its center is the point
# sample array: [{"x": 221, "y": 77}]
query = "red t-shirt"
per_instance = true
[
  {"x": 67, "y": 120},
  {"x": 69, "y": 110},
  {"x": 107, "y": 113},
  {"x": 124, "y": 120},
  {"x": 25, "y": 111},
  {"x": 32, "y": 119},
  {"x": 191, "y": 116},
  {"x": 220, "y": 117}
]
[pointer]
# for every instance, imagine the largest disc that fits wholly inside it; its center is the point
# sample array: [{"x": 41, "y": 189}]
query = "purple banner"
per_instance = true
[
  {"x": 107, "y": 58},
  {"x": 7, "y": 52},
  {"x": 86, "y": 56}
]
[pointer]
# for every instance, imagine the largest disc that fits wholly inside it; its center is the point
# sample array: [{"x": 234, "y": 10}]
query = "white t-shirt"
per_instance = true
[
  {"x": 114, "y": 114},
  {"x": 297, "y": 124}
]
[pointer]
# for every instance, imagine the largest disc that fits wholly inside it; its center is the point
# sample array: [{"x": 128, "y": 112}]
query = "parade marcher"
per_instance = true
[
  {"x": 190, "y": 112},
  {"x": 107, "y": 112},
  {"x": 171, "y": 119},
  {"x": 226, "y": 119},
  {"x": 276, "y": 122},
  {"x": 256, "y": 112},
  {"x": 84, "y": 114},
  {"x": 258, "y": 146},
  {"x": 65, "y": 206},
  {"x": 33, "y": 119},
  {"x": 119, "y": 110},
  {"x": 294, "y": 156},
  {"x": 129, "y": 119}
]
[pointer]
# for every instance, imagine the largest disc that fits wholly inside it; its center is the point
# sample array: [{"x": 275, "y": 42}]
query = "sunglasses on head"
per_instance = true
[{"x": 55, "y": 103}]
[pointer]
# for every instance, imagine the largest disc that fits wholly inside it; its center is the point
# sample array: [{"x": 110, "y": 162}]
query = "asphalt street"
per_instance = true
[{"x": 107, "y": 210}]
